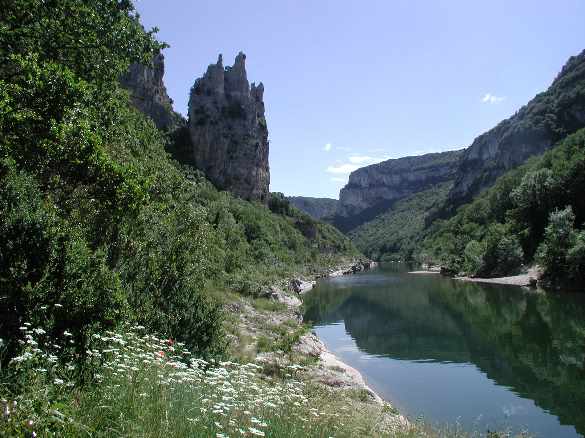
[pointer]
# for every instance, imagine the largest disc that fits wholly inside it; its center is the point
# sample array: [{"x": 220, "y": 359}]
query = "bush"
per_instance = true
[
  {"x": 576, "y": 259},
  {"x": 474, "y": 254},
  {"x": 503, "y": 254},
  {"x": 49, "y": 273},
  {"x": 559, "y": 237}
]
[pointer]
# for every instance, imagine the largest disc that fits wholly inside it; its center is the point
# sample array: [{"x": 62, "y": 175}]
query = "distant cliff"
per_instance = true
[
  {"x": 536, "y": 127},
  {"x": 228, "y": 132},
  {"x": 317, "y": 208},
  {"x": 371, "y": 190},
  {"x": 149, "y": 94}
]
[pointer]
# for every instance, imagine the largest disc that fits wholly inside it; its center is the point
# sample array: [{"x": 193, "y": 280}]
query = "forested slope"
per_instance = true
[
  {"x": 534, "y": 213},
  {"x": 98, "y": 226}
]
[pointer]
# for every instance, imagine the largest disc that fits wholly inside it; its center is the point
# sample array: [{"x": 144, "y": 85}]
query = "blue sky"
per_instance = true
[{"x": 349, "y": 83}]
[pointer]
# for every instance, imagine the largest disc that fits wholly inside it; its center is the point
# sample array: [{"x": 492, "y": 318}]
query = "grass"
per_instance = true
[
  {"x": 135, "y": 384},
  {"x": 267, "y": 305}
]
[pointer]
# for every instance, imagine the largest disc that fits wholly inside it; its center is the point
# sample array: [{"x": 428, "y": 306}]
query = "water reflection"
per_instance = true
[{"x": 528, "y": 344}]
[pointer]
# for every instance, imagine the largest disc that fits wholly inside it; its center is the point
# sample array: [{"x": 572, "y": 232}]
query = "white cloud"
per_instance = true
[
  {"x": 355, "y": 162},
  {"x": 490, "y": 98},
  {"x": 342, "y": 168},
  {"x": 327, "y": 147}
]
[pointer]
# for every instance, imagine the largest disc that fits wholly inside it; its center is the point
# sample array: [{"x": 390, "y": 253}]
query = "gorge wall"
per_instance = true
[
  {"x": 228, "y": 132},
  {"x": 371, "y": 190},
  {"x": 149, "y": 94},
  {"x": 536, "y": 127}
]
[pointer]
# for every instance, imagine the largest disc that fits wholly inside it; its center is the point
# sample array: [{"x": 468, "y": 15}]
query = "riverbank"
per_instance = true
[
  {"x": 528, "y": 279},
  {"x": 270, "y": 331}
]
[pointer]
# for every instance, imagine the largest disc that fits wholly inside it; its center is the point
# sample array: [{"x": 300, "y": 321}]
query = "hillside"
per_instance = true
[
  {"x": 96, "y": 217},
  {"x": 533, "y": 213},
  {"x": 385, "y": 229},
  {"x": 398, "y": 232},
  {"x": 535, "y": 128},
  {"x": 373, "y": 189},
  {"x": 317, "y": 208}
]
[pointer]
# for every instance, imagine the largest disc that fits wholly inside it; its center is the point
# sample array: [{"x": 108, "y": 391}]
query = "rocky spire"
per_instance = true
[{"x": 228, "y": 130}]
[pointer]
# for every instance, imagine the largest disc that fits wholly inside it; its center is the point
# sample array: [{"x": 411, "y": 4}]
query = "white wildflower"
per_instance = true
[{"x": 257, "y": 432}]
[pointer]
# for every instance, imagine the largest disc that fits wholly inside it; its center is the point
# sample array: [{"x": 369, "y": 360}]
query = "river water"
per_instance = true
[{"x": 484, "y": 356}]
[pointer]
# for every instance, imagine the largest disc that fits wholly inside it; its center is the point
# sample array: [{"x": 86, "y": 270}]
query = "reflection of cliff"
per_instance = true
[
  {"x": 537, "y": 344},
  {"x": 532, "y": 343},
  {"x": 408, "y": 327}
]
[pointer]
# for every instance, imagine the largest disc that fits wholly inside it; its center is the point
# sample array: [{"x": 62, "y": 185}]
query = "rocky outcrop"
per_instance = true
[
  {"x": 149, "y": 94},
  {"x": 228, "y": 132},
  {"x": 317, "y": 208},
  {"x": 373, "y": 189},
  {"x": 536, "y": 127}
]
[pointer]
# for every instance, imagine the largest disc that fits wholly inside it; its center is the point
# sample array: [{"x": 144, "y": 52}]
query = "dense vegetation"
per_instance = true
[
  {"x": 397, "y": 233},
  {"x": 318, "y": 208},
  {"x": 533, "y": 213},
  {"x": 97, "y": 224}
]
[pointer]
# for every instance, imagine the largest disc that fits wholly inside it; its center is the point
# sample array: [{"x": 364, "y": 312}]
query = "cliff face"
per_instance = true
[
  {"x": 228, "y": 132},
  {"x": 544, "y": 121},
  {"x": 317, "y": 208},
  {"x": 373, "y": 189},
  {"x": 149, "y": 94}
]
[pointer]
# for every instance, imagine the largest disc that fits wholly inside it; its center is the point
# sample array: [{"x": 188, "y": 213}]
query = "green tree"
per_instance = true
[{"x": 559, "y": 237}]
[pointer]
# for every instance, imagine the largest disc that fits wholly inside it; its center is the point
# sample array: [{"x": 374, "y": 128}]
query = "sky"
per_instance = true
[{"x": 352, "y": 82}]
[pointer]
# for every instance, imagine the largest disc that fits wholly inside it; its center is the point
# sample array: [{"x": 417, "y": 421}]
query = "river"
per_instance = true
[{"x": 481, "y": 355}]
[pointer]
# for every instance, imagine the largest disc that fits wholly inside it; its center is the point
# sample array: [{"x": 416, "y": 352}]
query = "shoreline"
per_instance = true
[
  {"x": 530, "y": 278},
  {"x": 527, "y": 279},
  {"x": 334, "y": 368},
  {"x": 274, "y": 335},
  {"x": 330, "y": 359}
]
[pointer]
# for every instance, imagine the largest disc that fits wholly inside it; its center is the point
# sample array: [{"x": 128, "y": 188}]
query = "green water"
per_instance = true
[{"x": 486, "y": 356}]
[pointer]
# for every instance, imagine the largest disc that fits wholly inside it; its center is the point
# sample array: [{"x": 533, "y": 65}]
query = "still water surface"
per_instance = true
[{"x": 486, "y": 356}]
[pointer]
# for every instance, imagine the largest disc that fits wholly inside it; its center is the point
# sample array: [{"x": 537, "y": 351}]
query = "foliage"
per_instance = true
[
  {"x": 139, "y": 384},
  {"x": 397, "y": 233},
  {"x": 517, "y": 208},
  {"x": 97, "y": 224},
  {"x": 561, "y": 252},
  {"x": 278, "y": 204}
]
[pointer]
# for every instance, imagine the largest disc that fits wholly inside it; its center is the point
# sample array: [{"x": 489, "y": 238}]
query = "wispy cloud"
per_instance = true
[
  {"x": 342, "y": 169},
  {"x": 490, "y": 98},
  {"x": 354, "y": 162},
  {"x": 327, "y": 147}
]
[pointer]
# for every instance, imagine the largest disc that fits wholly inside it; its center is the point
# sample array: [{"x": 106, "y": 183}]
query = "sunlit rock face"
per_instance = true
[
  {"x": 149, "y": 94},
  {"x": 373, "y": 189},
  {"x": 228, "y": 132},
  {"x": 535, "y": 128}
]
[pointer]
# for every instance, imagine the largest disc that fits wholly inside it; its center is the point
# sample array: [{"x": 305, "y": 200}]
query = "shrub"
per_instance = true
[
  {"x": 503, "y": 254},
  {"x": 474, "y": 254},
  {"x": 559, "y": 237},
  {"x": 576, "y": 259}
]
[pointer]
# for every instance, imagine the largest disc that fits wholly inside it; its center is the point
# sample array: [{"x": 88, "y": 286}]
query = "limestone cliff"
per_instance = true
[
  {"x": 536, "y": 127},
  {"x": 228, "y": 132},
  {"x": 373, "y": 189},
  {"x": 149, "y": 94}
]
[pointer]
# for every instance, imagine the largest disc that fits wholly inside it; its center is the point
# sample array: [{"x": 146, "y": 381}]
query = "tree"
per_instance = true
[{"x": 559, "y": 237}]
